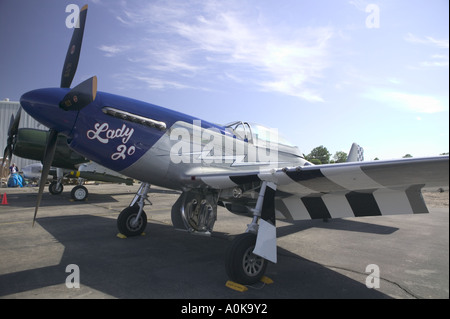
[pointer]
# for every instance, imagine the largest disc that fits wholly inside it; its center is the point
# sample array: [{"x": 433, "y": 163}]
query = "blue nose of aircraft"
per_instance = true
[{"x": 43, "y": 106}]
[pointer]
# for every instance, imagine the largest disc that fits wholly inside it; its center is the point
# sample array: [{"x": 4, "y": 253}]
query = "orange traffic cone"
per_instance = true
[{"x": 4, "y": 200}]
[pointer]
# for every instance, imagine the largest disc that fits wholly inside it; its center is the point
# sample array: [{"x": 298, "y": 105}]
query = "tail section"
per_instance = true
[{"x": 356, "y": 153}]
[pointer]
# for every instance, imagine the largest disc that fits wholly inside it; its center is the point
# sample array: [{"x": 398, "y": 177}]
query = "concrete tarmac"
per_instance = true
[{"x": 316, "y": 259}]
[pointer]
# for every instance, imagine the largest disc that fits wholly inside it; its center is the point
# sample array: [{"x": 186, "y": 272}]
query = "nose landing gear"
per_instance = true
[{"x": 129, "y": 223}]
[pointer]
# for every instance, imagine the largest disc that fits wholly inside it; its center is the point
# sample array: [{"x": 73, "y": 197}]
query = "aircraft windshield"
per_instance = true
[{"x": 263, "y": 133}]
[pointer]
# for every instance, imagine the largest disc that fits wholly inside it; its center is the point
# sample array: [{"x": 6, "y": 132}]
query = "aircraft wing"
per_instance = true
[
  {"x": 95, "y": 172},
  {"x": 100, "y": 177},
  {"x": 347, "y": 189}
]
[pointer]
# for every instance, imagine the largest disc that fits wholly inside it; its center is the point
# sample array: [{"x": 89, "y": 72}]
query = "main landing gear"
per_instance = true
[
  {"x": 247, "y": 257},
  {"x": 195, "y": 212},
  {"x": 78, "y": 193},
  {"x": 133, "y": 220},
  {"x": 241, "y": 264}
]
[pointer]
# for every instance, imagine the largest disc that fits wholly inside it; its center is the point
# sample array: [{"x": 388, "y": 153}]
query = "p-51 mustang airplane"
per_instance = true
[{"x": 246, "y": 168}]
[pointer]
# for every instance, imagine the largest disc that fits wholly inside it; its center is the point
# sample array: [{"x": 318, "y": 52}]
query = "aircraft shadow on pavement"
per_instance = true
[
  {"x": 166, "y": 263},
  {"x": 48, "y": 200},
  {"x": 336, "y": 224}
]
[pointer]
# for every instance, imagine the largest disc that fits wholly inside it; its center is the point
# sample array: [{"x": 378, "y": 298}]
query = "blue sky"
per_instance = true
[{"x": 321, "y": 72}]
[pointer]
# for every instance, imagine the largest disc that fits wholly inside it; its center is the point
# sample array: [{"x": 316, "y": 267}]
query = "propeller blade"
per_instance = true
[
  {"x": 47, "y": 162},
  {"x": 5, "y": 155},
  {"x": 14, "y": 125},
  {"x": 80, "y": 96},
  {"x": 11, "y": 123},
  {"x": 12, "y": 132},
  {"x": 73, "y": 52},
  {"x": 8, "y": 151}
]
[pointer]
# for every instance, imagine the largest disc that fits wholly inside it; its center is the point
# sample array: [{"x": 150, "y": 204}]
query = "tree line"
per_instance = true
[{"x": 321, "y": 155}]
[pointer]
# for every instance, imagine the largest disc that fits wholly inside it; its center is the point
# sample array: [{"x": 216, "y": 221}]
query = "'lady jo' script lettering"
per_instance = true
[{"x": 103, "y": 134}]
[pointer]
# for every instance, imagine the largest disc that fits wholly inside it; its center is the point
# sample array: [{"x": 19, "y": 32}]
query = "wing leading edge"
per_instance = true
[{"x": 347, "y": 189}]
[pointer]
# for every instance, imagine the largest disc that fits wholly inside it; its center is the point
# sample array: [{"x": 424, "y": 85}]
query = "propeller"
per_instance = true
[
  {"x": 73, "y": 52},
  {"x": 74, "y": 100},
  {"x": 12, "y": 132},
  {"x": 46, "y": 163}
]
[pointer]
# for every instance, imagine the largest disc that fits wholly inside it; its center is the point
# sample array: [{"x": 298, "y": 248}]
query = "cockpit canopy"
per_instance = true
[{"x": 257, "y": 134}]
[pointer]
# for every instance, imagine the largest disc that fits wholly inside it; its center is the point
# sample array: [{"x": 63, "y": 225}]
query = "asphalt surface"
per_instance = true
[{"x": 316, "y": 259}]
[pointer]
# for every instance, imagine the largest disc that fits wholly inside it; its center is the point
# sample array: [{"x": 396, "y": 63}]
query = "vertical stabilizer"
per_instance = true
[{"x": 356, "y": 153}]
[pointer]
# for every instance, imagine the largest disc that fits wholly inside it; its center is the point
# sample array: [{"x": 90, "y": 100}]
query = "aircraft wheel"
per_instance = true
[
  {"x": 192, "y": 212},
  {"x": 177, "y": 219},
  {"x": 242, "y": 266},
  {"x": 79, "y": 193},
  {"x": 54, "y": 189},
  {"x": 126, "y": 219}
]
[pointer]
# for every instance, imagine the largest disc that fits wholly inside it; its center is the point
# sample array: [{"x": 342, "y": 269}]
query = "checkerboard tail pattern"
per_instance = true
[{"x": 356, "y": 153}]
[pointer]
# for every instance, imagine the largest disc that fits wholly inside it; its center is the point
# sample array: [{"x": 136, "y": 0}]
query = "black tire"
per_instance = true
[
  {"x": 177, "y": 220},
  {"x": 54, "y": 190},
  {"x": 242, "y": 266},
  {"x": 125, "y": 218},
  {"x": 79, "y": 193}
]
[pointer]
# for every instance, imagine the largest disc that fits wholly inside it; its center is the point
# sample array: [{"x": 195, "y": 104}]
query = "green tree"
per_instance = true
[
  {"x": 319, "y": 153},
  {"x": 407, "y": 156},
  {"x": 340, "y": 157},
  {"x": 315, "y": 161}
]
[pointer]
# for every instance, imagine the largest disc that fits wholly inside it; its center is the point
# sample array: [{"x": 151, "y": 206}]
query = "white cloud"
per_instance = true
[
  {"x": 361, "y": 5},
  {"x": 436, "y": 60},
  {"x": 218, "y": 40},
  {"x": 416, "y": 103},
  {"x": 410, "y": 102},
  {"x": 156, "y": 83},
  {"x": 440, "y": 43},
  {"x": 112, "y": 50}
]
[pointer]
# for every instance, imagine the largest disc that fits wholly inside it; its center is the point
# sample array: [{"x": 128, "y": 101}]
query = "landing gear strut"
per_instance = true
[{"x": 133, "y": 220}]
